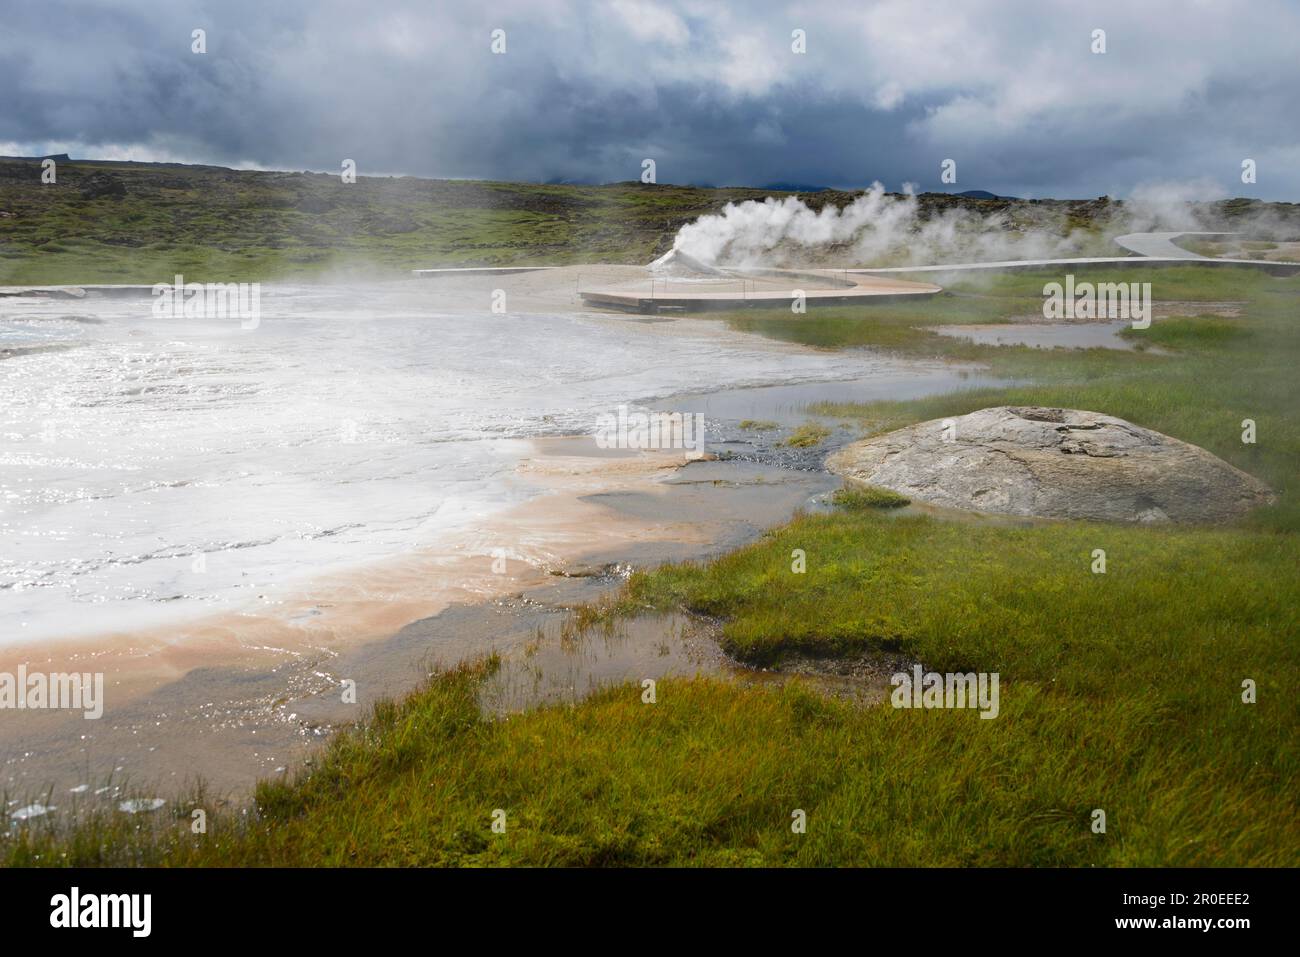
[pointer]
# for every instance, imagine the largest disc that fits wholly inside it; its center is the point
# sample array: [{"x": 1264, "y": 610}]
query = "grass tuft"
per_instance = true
[{"x": 859, "y": 496}]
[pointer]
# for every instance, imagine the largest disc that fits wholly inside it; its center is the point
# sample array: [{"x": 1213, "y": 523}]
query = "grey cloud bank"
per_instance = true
[{"x": 713, "y": 92}]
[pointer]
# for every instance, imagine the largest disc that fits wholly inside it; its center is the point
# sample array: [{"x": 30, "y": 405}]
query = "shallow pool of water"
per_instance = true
[{"x": 1079, "y": 335}]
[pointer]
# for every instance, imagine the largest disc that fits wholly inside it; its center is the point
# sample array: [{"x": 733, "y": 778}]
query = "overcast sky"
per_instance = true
[{"x": 711, "y": 91}]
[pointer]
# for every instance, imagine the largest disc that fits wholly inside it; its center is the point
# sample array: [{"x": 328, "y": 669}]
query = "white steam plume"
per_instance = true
[
  {"x": 1171, "y": 205},
  {"x": 876, "y": 228}
]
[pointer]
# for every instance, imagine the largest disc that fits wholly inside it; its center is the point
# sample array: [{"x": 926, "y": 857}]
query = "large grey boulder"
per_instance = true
[{"x": 1057, "y": 463}]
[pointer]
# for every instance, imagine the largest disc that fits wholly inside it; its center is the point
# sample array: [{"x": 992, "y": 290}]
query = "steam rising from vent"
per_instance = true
[
  {"x": 1171, "y": 205},
  {"x": 675, "y": 262},
  {"x": 876, "y": 228}
]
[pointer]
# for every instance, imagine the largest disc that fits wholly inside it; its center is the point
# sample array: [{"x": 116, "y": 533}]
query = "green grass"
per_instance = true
[
  {"x": 1118, "y": 691},
  {"x": 759, "y": 425},
  {"x": 1202, "y": 247},
  {"x": 807, "y": 435}
]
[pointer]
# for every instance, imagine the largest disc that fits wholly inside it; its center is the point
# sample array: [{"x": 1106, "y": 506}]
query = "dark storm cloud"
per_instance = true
[{"x": 712, "y": 92}]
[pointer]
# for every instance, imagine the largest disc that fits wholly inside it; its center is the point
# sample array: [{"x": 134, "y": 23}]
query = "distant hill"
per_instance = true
[
  {"x": 982, "y": 194},
  {"x": 795, "y": 188},
  {"x": 117, "y": 221}
]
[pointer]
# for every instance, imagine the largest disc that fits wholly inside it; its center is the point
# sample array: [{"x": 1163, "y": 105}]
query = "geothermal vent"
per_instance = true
[{"x": 680, "y": 264}]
